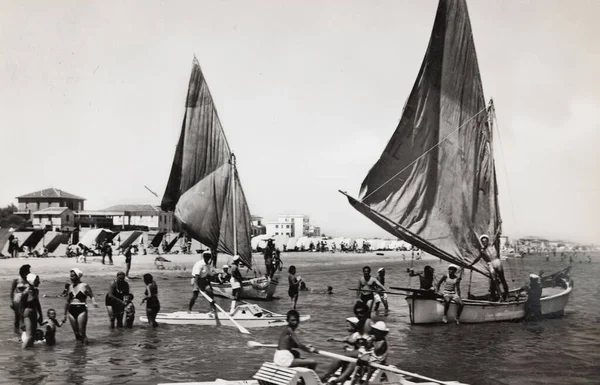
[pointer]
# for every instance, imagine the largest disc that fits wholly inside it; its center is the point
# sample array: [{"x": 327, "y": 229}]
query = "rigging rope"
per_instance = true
[
  {"x": 496, "y": 126},
  {"x": 425, "y": 153}
]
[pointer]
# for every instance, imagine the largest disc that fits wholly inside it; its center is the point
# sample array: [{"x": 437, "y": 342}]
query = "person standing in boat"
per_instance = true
[
  {"x": 201, "y": 273},
  {"x": 286, "y": 354},
  {"x": 488, "y": 254},
  {"x": 236, "y": 281},
  {"x": 366, "y": 288},
  {"x": 451, "y": 292}
]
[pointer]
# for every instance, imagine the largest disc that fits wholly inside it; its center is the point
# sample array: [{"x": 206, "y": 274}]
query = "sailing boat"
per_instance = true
[
  {"x": 204, "y": 188},
  {"x": 435, "y": 185}
]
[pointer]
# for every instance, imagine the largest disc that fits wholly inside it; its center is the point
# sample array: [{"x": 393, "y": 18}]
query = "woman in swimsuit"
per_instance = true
[
  {"x": 114, "y": 300},
  {"x": 151, "y": 299},
  {"x": 19, "y": 286},
  {"x": 32, "y": 310},
  {"x": 76, "y": 308}
]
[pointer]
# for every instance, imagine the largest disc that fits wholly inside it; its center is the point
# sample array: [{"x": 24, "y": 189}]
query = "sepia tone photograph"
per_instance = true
[{"x": 263, "y": 192}]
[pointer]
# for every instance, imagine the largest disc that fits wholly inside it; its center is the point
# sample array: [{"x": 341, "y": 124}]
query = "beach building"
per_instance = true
[
  {"x": 37, "y": 201},
  {"x": 257, "y": 227},
  {"x": 54, "y": 219},
  {"x": 292, "y": 225}
]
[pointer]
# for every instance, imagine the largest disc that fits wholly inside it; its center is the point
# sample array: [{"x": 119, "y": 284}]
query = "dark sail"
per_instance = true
[
  {"x": 436, "y": 177},
  {"x": 200, "y": 189}
]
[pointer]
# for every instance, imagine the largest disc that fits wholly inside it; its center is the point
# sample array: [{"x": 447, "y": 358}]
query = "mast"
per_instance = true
[{"x": 232, "y": 161}]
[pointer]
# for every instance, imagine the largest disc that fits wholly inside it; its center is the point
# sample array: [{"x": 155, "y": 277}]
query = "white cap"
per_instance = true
[
  {"x": 225, "y": 267},
  {"x": 381, "y": 326},
  {"x": 533, "y": 276},
  {"x": 484, "y": 236},
  {"x": 236, "y": 257},
  {"x": 381, "y": 269},
  {"x": 352, "y": 320},
  {"x": 452, "y": 266},
  {"x": 31, "y": 278}
]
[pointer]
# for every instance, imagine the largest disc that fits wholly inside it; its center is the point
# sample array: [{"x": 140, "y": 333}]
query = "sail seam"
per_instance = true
[{"x": 425, "y": 153}]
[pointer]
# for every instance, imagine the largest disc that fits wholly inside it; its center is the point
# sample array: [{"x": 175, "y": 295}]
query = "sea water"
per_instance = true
[{"x": 556, "y": 351}]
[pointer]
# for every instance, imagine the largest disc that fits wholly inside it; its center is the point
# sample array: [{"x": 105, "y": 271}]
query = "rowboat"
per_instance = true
[
  {"x": 260, "y": 288},
  {"x": 271, "y": 374},
  {"x": 431, "y": 310},
  {"x": 246, "y": 315}
]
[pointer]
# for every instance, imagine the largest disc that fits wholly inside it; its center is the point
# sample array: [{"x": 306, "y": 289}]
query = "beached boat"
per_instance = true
[
  {"x": 271, "y": 374},
  {"x": 204, "y": 188},
  {"x": 247, "y": 315},
  {"x": 435, "y": 185}
]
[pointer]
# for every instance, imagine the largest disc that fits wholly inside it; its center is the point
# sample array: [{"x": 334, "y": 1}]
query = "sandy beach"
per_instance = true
[{"x": 181, "y": 264}]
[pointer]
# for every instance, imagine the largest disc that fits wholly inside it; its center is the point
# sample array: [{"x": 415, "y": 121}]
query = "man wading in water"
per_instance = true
[{"x": 488, "y": 254}]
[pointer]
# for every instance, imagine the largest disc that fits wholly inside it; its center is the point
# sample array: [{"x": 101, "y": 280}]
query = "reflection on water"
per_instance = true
[{"x": 546, "y": 352}]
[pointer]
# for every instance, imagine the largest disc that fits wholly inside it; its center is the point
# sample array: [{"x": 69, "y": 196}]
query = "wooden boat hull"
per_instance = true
[
  {"x": 256, "y": 288},
  {"x": 427, "y": 311},
  {"x": 270, "y": 374},
  {"x": 208, "y": 319}
]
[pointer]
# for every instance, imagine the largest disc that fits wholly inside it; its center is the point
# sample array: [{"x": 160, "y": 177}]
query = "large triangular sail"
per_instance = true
[
  {"x": 204, "y": 185},
  {"x": 435, "y": 183}
]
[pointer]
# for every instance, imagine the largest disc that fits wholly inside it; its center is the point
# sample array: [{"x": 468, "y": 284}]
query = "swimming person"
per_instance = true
[
  {"x": 451, "y": 292},
  {"x": 294, "y": 285},
  {"x": 286, "y": 355},
  {"x": 32, "y": 309},
  {"x": 51, "y": 324},
  {"x": 18, "y": 288},
  {"x": 76, "y": 308},
  {"x": 366, "y": 288},
  {"x": 114, "y": 300},
  {"x": 151, "y": 299},
  {"x": 129, "y": 310}
]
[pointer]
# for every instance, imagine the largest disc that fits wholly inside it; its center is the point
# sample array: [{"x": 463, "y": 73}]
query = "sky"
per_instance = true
[{"x": 308, "y": 92}]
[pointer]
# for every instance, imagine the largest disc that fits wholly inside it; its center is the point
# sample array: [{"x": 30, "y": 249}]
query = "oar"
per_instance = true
[
  {"x": 219, "y": 308},
  {"x": 217, "y": 320},
  {"x": 393, "y": 369},
  {"x": 254, "y": 344},
  {"x": 388, "y": 368}
]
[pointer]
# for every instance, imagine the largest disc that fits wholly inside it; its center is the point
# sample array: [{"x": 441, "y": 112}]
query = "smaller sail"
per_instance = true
[{"x": 200, "y": 188}]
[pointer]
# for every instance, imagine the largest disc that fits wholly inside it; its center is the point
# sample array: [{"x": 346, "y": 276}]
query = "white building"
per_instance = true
[{"x": 292, "y": 225}]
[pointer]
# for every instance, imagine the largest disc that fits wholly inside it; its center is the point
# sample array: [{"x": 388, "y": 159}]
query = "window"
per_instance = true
[
  {"x": 276, "y": 226},
  {"x": 68, "y": 219},
  {"x": 287, "y": 226}
]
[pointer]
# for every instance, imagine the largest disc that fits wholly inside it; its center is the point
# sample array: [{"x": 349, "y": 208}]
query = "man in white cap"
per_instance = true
[
  {"x": 488, "y": 253},
  {"x": 380, "y": 295},
  {"x": 533, "y": 305},
  {"x": 224, "y": 276},
  {"x": 201, "y": 272},
  {"x": 451, "y": 292},
  {"x": 236, "y": 281}
]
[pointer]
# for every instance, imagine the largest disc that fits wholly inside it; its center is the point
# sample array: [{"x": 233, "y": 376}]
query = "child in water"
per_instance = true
[
  {"x": 52, "y": 323},
  {"x": 129, "y": 310}
]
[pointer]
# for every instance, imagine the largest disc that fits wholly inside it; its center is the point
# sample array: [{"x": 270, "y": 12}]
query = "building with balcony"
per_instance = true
[
  {"x": 292, "y": 225},
  {"x": 54, "y": 219},
  {"x": 37, "y": 201}
]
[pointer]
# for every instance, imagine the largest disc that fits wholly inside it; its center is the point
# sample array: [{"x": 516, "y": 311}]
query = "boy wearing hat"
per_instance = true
[{"x": 451, "y": 292}]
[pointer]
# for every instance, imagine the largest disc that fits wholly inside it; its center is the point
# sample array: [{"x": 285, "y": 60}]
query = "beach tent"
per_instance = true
[
  {"x": 291, "y": 244},
  {"x": 128, "y": 238},
  {"x": 4, "y": 234},
  {"x": 95, "y": 237},
  {"x": 156, "y": 239},
  {"x": 32, "y": 240},
  {"x": 259, "y": 241},
  {"x": 48, "y": 237}
]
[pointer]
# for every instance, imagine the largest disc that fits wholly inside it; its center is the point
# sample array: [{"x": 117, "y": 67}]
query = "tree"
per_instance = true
[{"x": 9, "y": 219}]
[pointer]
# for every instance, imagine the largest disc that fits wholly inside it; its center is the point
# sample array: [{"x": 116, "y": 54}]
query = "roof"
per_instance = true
[
  {"x": 51, "y": 193},
  {"x": 51, "y": 211},
  {"x": 135, "y": 208}
]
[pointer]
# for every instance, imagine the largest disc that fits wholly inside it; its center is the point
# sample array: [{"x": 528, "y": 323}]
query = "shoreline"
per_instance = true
[{"x": 181, "y": 264}]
